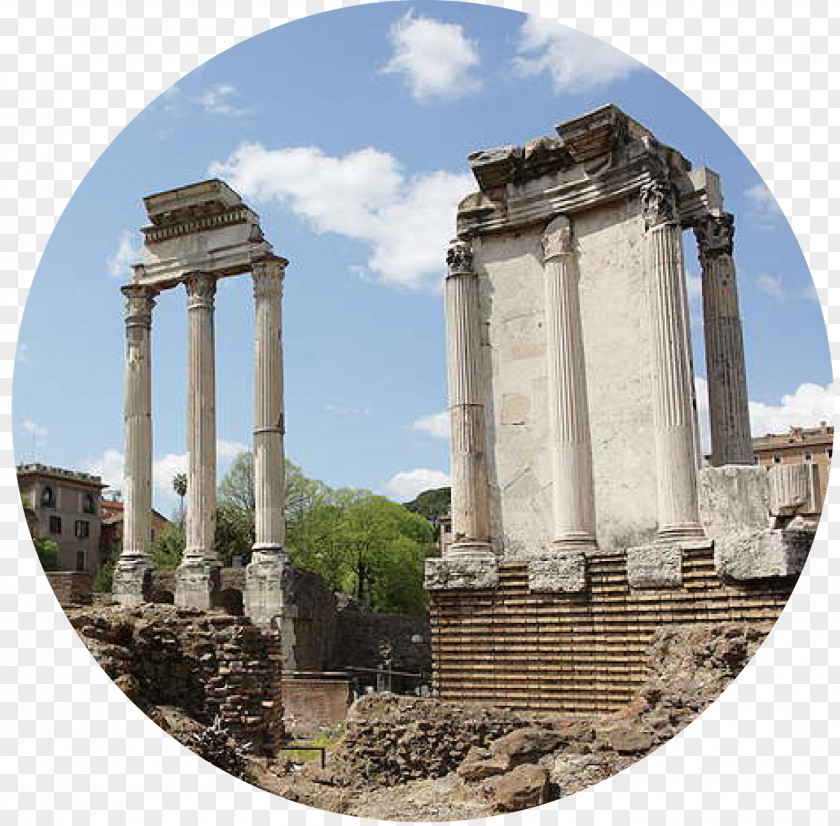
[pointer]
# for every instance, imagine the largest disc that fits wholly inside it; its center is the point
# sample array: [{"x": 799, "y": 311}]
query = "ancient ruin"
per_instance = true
[
  {"x": 198, "y": 234},
  {"x": 582, "y": 518}
]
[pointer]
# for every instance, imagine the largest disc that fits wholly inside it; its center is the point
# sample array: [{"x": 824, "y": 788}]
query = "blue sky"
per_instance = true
[{"x": 349, "y": 132}]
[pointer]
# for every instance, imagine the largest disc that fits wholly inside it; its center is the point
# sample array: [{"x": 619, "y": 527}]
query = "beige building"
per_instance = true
[
  {"x": 812, "y": 445},
  {"x": 67, "y": 508}
]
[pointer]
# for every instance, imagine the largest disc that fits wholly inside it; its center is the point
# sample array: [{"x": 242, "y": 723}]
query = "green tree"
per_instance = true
[
  {"x": 234, "y": 533},
  {"x": 179, "y": 485},
  {"x": 48, "y": 554},
  {"x": 168, "y": 547},
  {"x": 431, "y": 503},
  {"x": 103, "y": 580}
]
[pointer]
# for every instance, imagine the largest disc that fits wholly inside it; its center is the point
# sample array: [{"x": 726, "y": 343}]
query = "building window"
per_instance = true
[
  {"x": 82, "y": 529},
  {"x": 808, "y": 456},
  {"x": 55, "y": 524},
  {"x": 88, "y": 504},
  {"x": 828, "y": 452},
  {"x": 80, "y": 561},
  {"x": 47, "y": 498},
  {"x": 776, "y": 459}
]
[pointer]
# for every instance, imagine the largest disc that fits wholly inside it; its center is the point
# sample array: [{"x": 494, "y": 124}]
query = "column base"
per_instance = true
[
  {"x": 196, "y": 585},
  {"x": 470, "y": 548},
  {"x": 132, "y": 583},
  {"x": 680, "y": 533},
  {"x": 266, "y": 583},
  {"x": 582, "y": 542}
]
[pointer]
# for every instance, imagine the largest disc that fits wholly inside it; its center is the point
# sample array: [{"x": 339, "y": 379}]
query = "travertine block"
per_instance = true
[
  {"x": 658, "y": 565},
  {"x": 733, "y": 499},
  {"x": 763, "y": 554},
  {"x": 794, "y": 489},
  {"x": 553, "y": 572},
  {"x": 468, "y": 573}
]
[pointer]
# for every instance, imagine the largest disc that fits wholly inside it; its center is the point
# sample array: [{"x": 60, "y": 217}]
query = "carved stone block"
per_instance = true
[
  {"x": 657, "y": 565},
  {"x": 454, "y": 573},
  {"x": 557, "y": 572},
  {"x": 763, "y": 554},
  {"x": 794, "y": 489},
  {"x": 733, "y": 499}
]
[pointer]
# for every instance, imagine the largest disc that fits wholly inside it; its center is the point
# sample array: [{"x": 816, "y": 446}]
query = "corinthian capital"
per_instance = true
[
  {"x": 659, "y": 203},
  {"x": 139, "y": 303},
  {"x": 201, "y": 290},
  {"x": 459, "y": 258},
  {"x": 715, "y": 235},
  {"x": 268, "y": 277},
  {"x": 557, "y": 238}
]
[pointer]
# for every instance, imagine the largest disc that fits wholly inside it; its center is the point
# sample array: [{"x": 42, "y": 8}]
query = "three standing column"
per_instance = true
[
  {"x": 673, "y": 418},
  {"x": 573, "y": 493},
  {"x": 729, "y": 413},
  {"x": 197, "y": 576},
  {"x": 133, "y": 570},
  {"x": 470, "y": 494}
]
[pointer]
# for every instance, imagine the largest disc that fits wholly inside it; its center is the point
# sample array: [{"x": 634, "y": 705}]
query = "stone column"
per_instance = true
[
  {"x": 573, "y": 493},
  {"x": 197, "y": 576},
  {"x": 133, "y": 571},
  {"x": 470, "y": 494},
  {"x": 729, "y": 412},
  {"x": 267, "y": 576},
  {"x": 674, "y": 445}
]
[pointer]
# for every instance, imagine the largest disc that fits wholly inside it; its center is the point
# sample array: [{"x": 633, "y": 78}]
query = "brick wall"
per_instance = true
[
  {"x": 310, "y": 704},
  {"x": 71, "y": 587},
  {"x": 576, "y": 653}
]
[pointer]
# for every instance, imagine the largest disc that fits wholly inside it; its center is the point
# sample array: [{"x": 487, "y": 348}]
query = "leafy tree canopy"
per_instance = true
[{"x": 431, "y": 503}]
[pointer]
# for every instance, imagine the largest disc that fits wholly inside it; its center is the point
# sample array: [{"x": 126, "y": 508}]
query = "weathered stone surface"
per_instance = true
[
  {"x": 657, "y": 565},
  {"x": 526, "y": 745},
  {"x": 733, "y": 499},
  {"x": 763, "y": 554},
  {"x": 461, "y": 572},
  {"x": 524, "y": 787},
  {"x": 558, "y": 572},
  {"x": 628, "y": 739},
  {"x": 132, "y": 581},
  {"x": 794, "y": 490},
  {"x": 479, "y": 765}
]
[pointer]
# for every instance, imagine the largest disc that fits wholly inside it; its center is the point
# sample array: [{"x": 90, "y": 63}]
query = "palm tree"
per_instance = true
[{"x": 179, "y": 485}]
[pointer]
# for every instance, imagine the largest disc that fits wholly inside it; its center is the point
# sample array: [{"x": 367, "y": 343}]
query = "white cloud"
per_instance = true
[
  {"x": 128, "y": 253},
  {"x": 110, "y": 466},
  {"x": 435, "y": 59},
  {"x": 771, "y": 285},
  {"x": 24, "y": 353},
  {"x": 435, "y": 424},
  {"x": 574, "y": 61},
  {"x": 38, "y": 431},
  {"x": 407, "y": 484},
  {"x": 366, "y": 196},
  {"x": 766, "y": 212},
  {"x": 217, "y": 100},
  {"x": 807, "y": 406},
  {"x": 694, "y": 283}
]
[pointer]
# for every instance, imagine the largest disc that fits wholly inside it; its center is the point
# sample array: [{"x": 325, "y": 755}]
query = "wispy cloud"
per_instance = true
[
  {"x": 219, "y": 100},
  {"x": 574, "y": 61},
  {"x": 128, "y": 253},
  {"x": 435, "y": 424},
  {"x": 37, "y": 430},
  {"x": 774, "y": 286},
  {"x": 364, "y": 195},
  {"x": 407, "y": 484},
  {"x": 435, "y": 59},
  {"x": 24, "y": 353},
  {"x": 347, "y": 411},
  {"x": 765, "y": 212}
]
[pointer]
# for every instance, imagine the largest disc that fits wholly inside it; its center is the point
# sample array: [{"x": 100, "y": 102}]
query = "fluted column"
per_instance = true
[
  {"x": 674, "y": 444},
  {"x": 269, "y": 460},
  {"x": 131, "y": 575},
  {"x": 573, "y": 495},
  {"x": 470, "y": 494},
  {"x": 729, "y": 413},
  {"x": 195, "y": 584}
]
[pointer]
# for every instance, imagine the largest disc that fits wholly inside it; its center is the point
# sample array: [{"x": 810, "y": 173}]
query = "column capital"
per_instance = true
[
  {"x": 715, "y": 235},
  {"x": 268, "y": 277},
  {"x": 557, "y": 239},
  {"x": 459, "y": 258},
  {"x": 139, "y": 303},
  {"x": 659, "y": 203},
  {"x": 201, "y": 290}
]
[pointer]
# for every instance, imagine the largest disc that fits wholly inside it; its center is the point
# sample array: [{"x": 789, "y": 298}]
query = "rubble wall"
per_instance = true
[{"x": 579, "y": 653}]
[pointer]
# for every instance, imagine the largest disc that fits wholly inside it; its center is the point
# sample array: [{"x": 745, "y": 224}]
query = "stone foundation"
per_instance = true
[
  {"x": 71, "y": 588},
  {"x": 585, "y": 652}
]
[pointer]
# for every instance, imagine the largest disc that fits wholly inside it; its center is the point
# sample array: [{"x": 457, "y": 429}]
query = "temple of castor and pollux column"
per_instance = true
[{"x": 583, "y": 517}]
